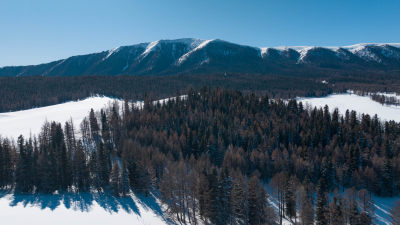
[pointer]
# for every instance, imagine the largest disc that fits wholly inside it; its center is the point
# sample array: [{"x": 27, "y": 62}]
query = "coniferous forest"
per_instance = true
[{"x": 218, "y": 156}]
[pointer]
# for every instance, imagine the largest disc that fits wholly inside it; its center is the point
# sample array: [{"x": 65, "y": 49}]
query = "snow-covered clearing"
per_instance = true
[
  {"x": 361, "y": 104},
  {"x": 85, "y": 208},
  {"x": 26, "y": 122}
]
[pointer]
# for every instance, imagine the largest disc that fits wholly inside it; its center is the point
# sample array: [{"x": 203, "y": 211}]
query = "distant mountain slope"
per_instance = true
[{"x": 189, "y": 55}]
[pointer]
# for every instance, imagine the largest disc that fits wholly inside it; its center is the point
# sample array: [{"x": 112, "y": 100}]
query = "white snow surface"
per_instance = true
[
  {"x": 196, "y": 46},
  {"x": 111, "y": 52},
  {"x": 361, "y": 104},
  {"x": 26, "y": 122},
  {"x": 150, "y": 47},
  {"x": 80, "y": 209},
  {"x": 192, "y": 44}
]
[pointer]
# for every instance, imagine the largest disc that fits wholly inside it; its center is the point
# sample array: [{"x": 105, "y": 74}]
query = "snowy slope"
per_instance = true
[
  {"x": 26, "y": 122},
  {"x": 361, "y": 104}
]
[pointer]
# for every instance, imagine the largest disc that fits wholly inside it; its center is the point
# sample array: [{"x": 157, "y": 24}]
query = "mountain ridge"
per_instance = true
[{"x": 191, "y": 55}]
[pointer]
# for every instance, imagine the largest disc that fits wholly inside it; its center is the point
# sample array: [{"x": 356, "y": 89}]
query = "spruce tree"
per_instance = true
[
  {"x": 255, "y": 201},
  {"x": 115, "y": 180},
  {"x": 125, "y": 186},
  {"x": 322, "y": 203},
  {"x": 239, "y": 195}
]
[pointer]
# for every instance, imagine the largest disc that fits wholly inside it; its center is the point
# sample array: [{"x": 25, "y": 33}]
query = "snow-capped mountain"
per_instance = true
[{"x": 190, "y": 55}]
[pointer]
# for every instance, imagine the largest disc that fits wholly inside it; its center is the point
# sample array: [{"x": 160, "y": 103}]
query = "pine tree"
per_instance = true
[
  {"x": 307, "y": 205},
  {"x": 290, "y": 198},
  {"x": 395, "y": 213},
  {"x": 115, "y": 180},
  {"x": 214, "y": 208},
  {"x": 225, "y": 188},
  {"x": 279, "y": 182},
  {"x": 322, "y": 203},
  {"x": 94, "y": 127},
  {"x": 254, "y": 201},
  {"x": 125, "y": 186},
  {"x": 102, "y": 169},
  {"x": 336, "y": 211},
  {"x": 238, "y": 198},
  {"x": 354, "y": 214},
  {"x": 367, "y": 206},
  {"x": 57, "y": 145},
  {"x": 204, "y": 195},
  {"x": 23, "y": 178},
  {"x": 6, "y": 164},
  {"x": 387, "y": 170},
  {"x": 80, "y": 169}
]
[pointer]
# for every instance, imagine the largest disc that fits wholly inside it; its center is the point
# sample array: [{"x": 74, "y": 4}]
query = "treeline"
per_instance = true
[
  {"x": 35, "y": 91},
  {"x": 209, "y": 155},
  {"x": 383, "y": 99}
]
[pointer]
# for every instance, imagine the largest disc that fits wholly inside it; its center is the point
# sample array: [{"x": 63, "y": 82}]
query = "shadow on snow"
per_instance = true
[{"x": 84, "y": 201}]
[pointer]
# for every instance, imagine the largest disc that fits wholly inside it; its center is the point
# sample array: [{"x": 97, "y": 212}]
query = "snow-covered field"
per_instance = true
[
  {"x": 26, "y": 122},
  {"x": 77, "y": 209},
  {"x": 361, "y": 104}
]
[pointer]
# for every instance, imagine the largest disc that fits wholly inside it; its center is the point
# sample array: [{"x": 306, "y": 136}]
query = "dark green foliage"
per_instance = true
[{"x": 322, "y": 214}]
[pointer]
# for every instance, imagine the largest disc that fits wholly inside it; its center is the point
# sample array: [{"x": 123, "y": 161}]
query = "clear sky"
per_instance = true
[{"x": 38, "y": 31}]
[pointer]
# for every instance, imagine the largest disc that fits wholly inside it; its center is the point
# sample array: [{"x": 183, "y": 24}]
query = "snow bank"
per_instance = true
[{"x": 361, "y": 104}]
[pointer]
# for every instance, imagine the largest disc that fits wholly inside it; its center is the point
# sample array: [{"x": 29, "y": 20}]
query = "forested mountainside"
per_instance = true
[
  {"x": 196, "y": 56},
  {"x": 207, "y": 156}
]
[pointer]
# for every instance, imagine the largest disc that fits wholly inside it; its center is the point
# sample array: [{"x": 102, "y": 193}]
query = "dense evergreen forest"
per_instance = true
[
  {"x": 210, "y": 156},
  {"x": 20, "y": 93},
  {"x": 27, "y": 92}
]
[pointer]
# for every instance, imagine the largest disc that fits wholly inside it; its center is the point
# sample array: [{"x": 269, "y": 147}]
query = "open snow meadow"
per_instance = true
[{"x": 361, "y": 104}]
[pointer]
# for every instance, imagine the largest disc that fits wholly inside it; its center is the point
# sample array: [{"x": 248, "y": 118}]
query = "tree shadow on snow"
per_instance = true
[
  {"x": 84, "y": 202},
  {"x": 43, "y": 201},
  {"x": 150, "y": 203},
  {"x": 75, "y": 201}
]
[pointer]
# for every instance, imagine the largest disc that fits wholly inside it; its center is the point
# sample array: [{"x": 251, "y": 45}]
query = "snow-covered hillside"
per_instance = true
[
  {"x": 361, "y": 104},
  {"x": 26, "y": 122}
]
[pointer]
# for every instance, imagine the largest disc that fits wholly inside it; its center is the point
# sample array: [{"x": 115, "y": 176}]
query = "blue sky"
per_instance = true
[{"x": 38, "y": 31}]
